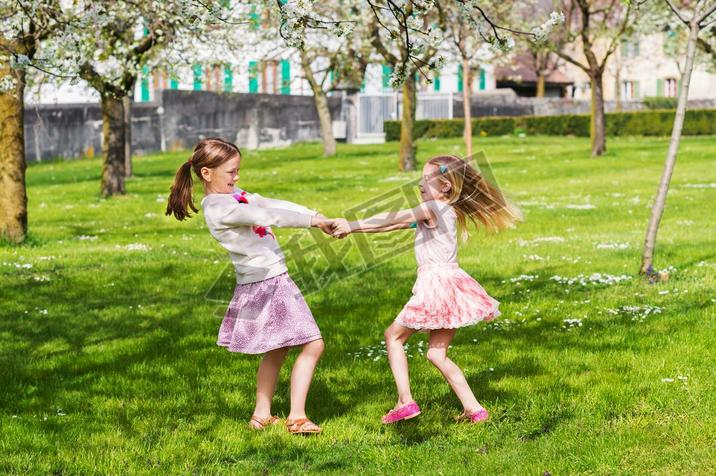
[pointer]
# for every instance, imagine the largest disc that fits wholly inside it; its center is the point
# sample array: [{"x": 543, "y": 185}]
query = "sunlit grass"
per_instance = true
[{"x": 110, "y": 314}]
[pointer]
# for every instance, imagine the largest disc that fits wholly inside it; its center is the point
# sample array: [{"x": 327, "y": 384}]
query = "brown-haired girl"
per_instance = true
[
  {"x": 444, "y": 296},
  {"x": 267, "y": 314}
]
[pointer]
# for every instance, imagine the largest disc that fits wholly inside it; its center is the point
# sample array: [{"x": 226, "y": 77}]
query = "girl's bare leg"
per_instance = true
[
  {"x": 266, "y": 379},
  {"x": 301, "y": 377},
  {"x": 437, "y": 355},
  {"x": 395, "y": 337}
]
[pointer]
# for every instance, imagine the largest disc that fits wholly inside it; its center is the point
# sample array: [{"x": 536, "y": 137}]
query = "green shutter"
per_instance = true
[
  {"x": 483, "y": 82},
  {"x": 636, "y": 90},
  {"x": 228, "y": 79},
  {"x": 387, "y": 73},
  {"x": 331, "y": 78},
  {"x": 362, "y": 86},
  {"x": 459, "y": 78},
  {"x": 145, "y": 83},
  {"x": 197, "y": 77},
  {"x": 253, "y": 77},
  {"x": 625, "y": 49},
  {"x": 285, "y": 77},
  {"x": 659, "y": 87},
  {"x": 436, "y": 81},
  {"x": 254, "y": 22},
  {"x": 173, "y": 83}
]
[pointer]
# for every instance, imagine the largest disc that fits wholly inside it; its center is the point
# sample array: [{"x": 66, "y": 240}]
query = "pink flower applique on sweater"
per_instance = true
[{"x": 262, "y": 231}]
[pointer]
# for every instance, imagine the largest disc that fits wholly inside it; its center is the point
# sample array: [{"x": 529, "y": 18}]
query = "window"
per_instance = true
[
  {"x": 670, "y": 87},
  {"x": 630, "y": 89},
  {"x": 630, "y": 48}
]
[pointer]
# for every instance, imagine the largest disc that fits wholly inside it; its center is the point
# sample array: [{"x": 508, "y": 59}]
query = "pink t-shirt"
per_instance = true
[{"x": 436, "y": 243}]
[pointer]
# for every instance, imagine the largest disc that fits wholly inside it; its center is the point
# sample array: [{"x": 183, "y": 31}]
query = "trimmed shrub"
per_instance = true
[
  {"x": 659, "y": 102},
  {"x": 643, "y": 123}
]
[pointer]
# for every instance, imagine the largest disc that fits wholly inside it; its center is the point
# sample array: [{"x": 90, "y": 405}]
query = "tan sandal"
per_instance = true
[
  {"x": 302, "y": 426},
  {"x": 258, "y": 423}
]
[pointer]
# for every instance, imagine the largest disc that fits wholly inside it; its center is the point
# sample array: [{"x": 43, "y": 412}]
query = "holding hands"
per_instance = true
[{"x": 335, "y": 227}]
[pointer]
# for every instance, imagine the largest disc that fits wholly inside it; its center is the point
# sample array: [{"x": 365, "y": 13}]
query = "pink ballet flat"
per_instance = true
[
  {"x": 476, "y": 417},
  {"x": 406, "y": 412}
]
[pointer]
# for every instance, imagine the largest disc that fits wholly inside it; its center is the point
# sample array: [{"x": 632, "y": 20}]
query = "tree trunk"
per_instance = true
[
  {"x": 127, "y": 102},
  {"x": 321, "y": 103},
  {"x": 597, "y": 128},
  {"x": 540, "y": 84},
  {"x": 617, "y": 89},
  {"x": 467, "y": 106},
  {"x": 657, "y": 209},
  {"x": 112, "y": 145},
  {"x": 13, "y": 196},
  {"x": 407, "y": 144}
]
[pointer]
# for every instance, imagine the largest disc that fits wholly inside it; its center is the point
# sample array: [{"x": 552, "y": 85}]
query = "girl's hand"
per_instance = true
[
  {"x": 325, "y": 224},
  {"x": 341, "y": 228}
]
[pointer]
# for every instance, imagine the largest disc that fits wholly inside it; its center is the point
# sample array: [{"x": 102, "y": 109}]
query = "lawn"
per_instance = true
[{"x": 109, "y": 318}]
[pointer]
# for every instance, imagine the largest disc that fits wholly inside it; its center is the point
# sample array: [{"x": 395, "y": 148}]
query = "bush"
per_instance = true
[
  {"x": 644, "y": 123},
  {"x": 659, "y": 102}
]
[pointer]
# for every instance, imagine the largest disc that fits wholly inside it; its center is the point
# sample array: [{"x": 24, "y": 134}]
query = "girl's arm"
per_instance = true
[
  {"x": 282, "y": 204},
  {"x": 382, "y": 229},
  {"x": 227, "y": 212},
  {"x": 386, "y": 221}
]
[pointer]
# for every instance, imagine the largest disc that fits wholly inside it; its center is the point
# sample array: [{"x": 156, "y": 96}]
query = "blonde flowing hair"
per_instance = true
[{"x": 474, "y": 198}]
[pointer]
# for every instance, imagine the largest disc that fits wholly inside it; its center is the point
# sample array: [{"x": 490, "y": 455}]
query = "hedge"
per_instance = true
[{"x": 643, "y": 123}]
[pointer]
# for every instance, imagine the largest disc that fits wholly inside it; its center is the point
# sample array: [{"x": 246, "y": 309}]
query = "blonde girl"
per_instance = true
[{"x": 445, "y": 298}]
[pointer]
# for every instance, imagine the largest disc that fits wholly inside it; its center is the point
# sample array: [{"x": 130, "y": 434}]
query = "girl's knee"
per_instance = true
[
  {"x": 315, "y": 347},
  {"x": 436, "y": 356}
]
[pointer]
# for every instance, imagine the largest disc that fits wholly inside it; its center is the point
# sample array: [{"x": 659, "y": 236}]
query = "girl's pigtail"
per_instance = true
[{"x": 180, "y": 198}]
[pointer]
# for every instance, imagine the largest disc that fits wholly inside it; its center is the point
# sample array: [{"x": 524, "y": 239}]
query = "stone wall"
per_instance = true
[{"x": 177, "y": 122}]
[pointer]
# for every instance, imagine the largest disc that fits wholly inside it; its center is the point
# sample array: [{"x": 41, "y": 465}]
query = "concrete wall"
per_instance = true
[
  {"x": 177, "y": 122},
  {"x": 251, "y": 120}
]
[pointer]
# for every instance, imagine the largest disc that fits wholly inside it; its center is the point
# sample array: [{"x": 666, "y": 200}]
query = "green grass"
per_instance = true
[{"x": 109, "y": 363}]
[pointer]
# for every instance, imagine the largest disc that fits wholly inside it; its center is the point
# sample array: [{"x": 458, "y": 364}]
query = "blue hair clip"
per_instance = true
[{"x": 443, "y": 169}]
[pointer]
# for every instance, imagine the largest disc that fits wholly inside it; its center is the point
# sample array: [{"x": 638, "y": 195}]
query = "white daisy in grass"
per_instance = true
[
  {"x": 592, "y": 279},
  {"x": 134, "y": 247},
  {"x": 571, "y": 323},
  {"x": 523, "y": 277},
  {"x": 667, "y": 380},
  {"x": 616, "y": 245},
  {"x": 699, "y": 185},
  {"x": 585, "y": 206},
  {"x": 540, "y": 240},
  {"x": 533, "y": 257},
  {"x": 87, "y": 238},
  {"x": 636, "y": 313}
]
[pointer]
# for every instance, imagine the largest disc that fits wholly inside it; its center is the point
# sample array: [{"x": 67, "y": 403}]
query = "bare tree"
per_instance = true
[
  {"x": 695, "y": 18},
  {"x": 391, "y": 37},
  {"x": 598, "y": 26}
]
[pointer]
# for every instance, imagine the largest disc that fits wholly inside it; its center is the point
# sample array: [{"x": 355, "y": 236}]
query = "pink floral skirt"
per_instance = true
[
  {"x": 446, "y": 297},
  {"x": 267, "y": 315}
]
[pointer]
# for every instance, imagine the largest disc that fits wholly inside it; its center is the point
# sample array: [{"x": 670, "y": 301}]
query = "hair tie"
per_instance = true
[
  {"x": 190, "y": 162},
  {"x": 443, "y": 168}
]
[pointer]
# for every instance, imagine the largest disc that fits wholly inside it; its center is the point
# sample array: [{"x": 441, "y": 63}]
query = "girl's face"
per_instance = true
[
  {"x": 432, "y": 186},
  {"x": 222, "y": 179}
]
